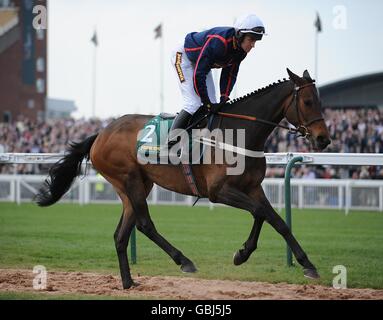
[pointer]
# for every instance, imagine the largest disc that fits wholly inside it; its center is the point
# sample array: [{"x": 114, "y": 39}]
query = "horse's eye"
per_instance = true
[{"x": 308, "y": 103}]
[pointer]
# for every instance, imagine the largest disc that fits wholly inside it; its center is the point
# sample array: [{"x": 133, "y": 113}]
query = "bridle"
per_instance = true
[{"x": 302, "y": 126}]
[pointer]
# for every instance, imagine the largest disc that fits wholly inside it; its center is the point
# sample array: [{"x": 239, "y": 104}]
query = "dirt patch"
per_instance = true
[{"x": 60, "y": 283}]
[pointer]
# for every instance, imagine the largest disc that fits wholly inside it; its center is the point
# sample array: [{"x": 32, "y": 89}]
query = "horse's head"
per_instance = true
[{"x": 303, "y": 110}]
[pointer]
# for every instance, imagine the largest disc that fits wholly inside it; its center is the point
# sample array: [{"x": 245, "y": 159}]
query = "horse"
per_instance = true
[{"x": 113, "y": 154}]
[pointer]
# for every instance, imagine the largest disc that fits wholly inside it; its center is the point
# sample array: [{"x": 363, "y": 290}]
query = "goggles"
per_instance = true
[{"x": 256, "y": 33}]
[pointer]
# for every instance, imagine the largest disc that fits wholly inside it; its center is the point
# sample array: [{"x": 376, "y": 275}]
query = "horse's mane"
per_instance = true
[{"x": 258, "y": 91}]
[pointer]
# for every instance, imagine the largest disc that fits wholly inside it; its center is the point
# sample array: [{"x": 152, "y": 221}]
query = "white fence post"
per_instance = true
[
  {"x": 86, "y": 185},
  {"x": 18, "y": 190},
  {"x": 189, "y": 201},
  {"x": 12, "y": 187},
  {"x": 340, "y": 197},
  {"x": 348, "y": 197},
  {"x": 80, "y": 192},
  {"x": 300, "y": 196},
  {"x": 280, "y": 194},
  {"x": 155, "y": 191}
]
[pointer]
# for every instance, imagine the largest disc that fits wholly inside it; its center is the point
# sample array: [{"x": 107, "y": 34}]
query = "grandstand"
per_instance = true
[
  {"x": 365, "y": 91},
  {"x": 23, "y": 61}
]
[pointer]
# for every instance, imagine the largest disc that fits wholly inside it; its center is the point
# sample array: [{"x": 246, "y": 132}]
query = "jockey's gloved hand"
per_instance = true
[
  {"x": 214, "y": 107},
  {"x": 224, "y": 99}
]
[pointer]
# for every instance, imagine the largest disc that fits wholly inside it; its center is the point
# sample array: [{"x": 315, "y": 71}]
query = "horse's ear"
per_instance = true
[
  {"x": 293, "y": 76},
  {"x": 307, "y": 76}
]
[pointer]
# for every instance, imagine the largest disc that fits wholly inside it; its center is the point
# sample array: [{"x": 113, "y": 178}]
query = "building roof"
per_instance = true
[
  {"x": 361, "y": 91},
  {"x": 60, "y": 105}
]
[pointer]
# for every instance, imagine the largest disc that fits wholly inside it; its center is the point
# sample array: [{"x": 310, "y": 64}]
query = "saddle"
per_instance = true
[
  {"x": 201, "y": 113},
  {"x": 152, "y": 138}
]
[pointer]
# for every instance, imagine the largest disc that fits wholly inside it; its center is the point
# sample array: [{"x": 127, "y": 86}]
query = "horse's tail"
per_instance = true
[{"x": 63, "y": 173}]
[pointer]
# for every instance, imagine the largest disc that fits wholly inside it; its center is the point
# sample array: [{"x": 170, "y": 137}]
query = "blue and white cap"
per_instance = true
[{"x": 250, "y": 23}]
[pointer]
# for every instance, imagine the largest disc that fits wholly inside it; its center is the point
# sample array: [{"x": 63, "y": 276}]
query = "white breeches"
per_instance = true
[{"x": 184, "y": 70}]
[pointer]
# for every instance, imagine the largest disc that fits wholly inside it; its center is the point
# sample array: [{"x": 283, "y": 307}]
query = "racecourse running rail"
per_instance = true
[{"x": 306, "y": 193}]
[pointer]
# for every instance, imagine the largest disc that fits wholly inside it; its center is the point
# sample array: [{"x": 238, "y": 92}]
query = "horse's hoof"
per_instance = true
[
  {"x": 130, "y": 285},
  {"x": 311, "y": 273},
  {"x": 238, "y": 258},
  {"x": 188, "y": 267}
]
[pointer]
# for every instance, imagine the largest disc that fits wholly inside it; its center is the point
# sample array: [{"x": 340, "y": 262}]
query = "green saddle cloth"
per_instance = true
[
  {"x": 153, "y": 138},
  {"x": 154, "y": 134}
]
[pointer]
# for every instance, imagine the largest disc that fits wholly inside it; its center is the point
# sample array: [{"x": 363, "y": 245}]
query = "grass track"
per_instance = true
[{"x": 72, "y": 238}]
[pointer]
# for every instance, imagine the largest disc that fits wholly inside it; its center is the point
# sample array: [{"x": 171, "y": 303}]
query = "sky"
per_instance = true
[{"x": 128, "y": 57}]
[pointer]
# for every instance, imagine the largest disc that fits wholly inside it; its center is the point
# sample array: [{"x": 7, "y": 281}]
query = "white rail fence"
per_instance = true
[
  {"x": 325, "y": 194},
  {"x": 315, "y": 193},
  {"x": 344, "y": 159}
]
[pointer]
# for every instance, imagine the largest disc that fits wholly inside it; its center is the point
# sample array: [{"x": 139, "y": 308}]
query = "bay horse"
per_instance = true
[{"x": 113, "y": 154}]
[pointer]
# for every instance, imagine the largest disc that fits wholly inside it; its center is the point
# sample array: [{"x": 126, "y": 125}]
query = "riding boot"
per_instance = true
[{"x": 180, "y": 122}]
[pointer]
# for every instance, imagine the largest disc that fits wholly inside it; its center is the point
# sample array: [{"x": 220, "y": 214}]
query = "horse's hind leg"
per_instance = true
[
  {"x": 121, "y": 240},
  {"x": 135, "y": 190}
]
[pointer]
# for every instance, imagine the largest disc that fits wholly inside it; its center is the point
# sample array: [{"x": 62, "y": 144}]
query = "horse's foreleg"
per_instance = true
[
  {"x": 250, "y": 245},
  {"x": 121, "y": 240},
  {"x": 274, "y": 219},
  {"x": 243, "y": 254},
  {"x": 262, "y": 209},
  {"x": 146, "y": 226}
]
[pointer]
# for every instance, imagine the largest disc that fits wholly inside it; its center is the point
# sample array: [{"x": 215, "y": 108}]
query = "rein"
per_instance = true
[
  {"x": 302, "y": 127},
  {"x": 250, "y": 118}
]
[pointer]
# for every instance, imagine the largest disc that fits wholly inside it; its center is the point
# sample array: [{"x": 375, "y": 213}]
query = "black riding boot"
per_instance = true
[{"x": 180, "y": 122}]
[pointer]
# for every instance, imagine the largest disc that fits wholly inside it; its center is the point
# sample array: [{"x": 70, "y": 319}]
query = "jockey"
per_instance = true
[{"x": 219, "y": 47}]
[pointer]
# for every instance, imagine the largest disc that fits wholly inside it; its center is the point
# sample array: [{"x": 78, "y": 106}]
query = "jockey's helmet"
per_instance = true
[{"x": 249, "y": 24}]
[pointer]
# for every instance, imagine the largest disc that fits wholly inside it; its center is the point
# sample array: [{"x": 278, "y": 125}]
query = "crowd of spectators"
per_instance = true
[
  {"x": 51, "y": 136},
  {"x": 351, "y": 130}
]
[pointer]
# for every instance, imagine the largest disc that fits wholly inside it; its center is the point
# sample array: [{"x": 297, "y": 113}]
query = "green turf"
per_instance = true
[
  {"x": 11, "y": 295},
  {"x": 73, "y": 238}
]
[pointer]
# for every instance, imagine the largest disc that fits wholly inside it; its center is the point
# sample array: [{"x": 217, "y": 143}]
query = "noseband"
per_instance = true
[{"x": 302, "y": 126}]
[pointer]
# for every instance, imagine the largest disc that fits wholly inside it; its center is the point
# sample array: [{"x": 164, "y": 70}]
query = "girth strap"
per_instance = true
[{"x": 189, "y": 177}]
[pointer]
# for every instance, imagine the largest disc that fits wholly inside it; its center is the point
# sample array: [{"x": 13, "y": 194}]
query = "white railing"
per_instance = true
[
  {"x": 316, "y": 193},
  {"x": 311, "y": 193},
  {"x": 319, "y": 158}
]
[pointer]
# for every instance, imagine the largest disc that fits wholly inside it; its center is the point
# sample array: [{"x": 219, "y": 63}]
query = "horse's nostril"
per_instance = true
[{"x": 323, "y": 140}]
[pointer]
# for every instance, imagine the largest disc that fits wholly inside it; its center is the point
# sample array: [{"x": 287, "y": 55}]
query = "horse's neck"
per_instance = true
[{"x": 268, "y": 106}]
